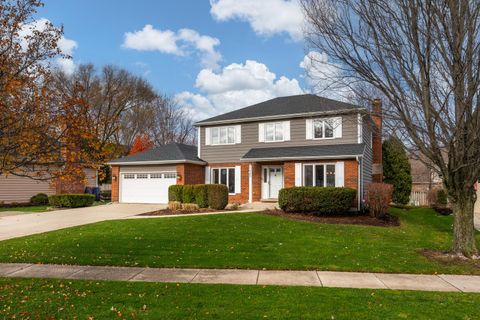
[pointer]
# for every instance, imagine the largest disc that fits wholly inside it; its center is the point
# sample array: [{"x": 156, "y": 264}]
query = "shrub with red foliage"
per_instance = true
[
  {"x": 141, "y": 143},
  {"x": 378, "y": 198}
]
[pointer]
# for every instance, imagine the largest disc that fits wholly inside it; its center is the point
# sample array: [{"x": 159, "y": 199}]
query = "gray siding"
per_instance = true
[
  {"x": 233, "y": 153},
  {"x": 148, "y": 169},
  {"x": 368, "y": 154}
]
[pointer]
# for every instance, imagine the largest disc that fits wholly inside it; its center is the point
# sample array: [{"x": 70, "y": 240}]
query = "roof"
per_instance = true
[
  {"x": 306, "y": 152},
  {"x": 169, "y": 153},
  {"x": 300, "y": 105}
]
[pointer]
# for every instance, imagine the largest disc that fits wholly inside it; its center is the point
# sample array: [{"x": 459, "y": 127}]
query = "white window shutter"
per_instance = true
[
  {"x": 338, "y": 127},
  {"x": 261, "y": 132},
  {"x": 238, "y": 177},
  {"x": 309, "y": 129},
  {"x": 208, "y": 137},
  {"x": 298, "y": 174},
  {"x": 339, "y": 174},
  {"x": 286, "y": 130},
  {"x": 238, "y": 134},
  {"x": 207, "y": 175}
]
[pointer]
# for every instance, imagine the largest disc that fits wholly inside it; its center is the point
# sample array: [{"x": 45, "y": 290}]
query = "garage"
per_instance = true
[
  {"x": 146, "y": 187},
  {"x": 145, "y": 177}
]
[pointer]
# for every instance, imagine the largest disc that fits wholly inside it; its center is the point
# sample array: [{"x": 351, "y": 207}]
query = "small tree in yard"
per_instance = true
[
  {"x": 423, "y": 57},
  {"x": 378, "y": 198},
  {"x": 141, "y": 143},
  {"x": 396, "y": 169}
]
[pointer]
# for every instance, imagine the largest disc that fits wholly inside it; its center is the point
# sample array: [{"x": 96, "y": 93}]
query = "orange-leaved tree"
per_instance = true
[{"x": 142, "y": 142}]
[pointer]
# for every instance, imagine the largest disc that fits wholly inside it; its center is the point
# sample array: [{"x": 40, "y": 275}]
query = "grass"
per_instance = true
[
  {"x": 247, "y": 241},
  {"x": 67, "y": 299},
  {"x": 25, "y": 209}
]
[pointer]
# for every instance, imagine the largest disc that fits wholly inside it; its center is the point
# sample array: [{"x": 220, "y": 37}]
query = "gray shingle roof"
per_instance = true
[
  {"x": 173, "y": 152},
  {"x": 290, "y": 105},
  {"x": 302, "y": 152}
]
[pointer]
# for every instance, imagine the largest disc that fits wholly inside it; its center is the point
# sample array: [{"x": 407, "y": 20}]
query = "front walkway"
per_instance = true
[
  {"x": 33, "y": 223},
  {"x": 453, "y": 283}
]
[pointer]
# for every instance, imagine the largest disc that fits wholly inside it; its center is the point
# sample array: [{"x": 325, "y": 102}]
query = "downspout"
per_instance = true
[
  {"x": 360, "y": 180},
  {"x": 250, "y": 174}
]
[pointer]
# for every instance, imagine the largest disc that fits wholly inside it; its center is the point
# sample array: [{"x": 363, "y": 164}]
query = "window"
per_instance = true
[
  {"x": 129, "y": 176},
  {"x": 274, "y": 131},
  {"x": 320, "y": 175},
  {"x": 142, "y": 176},
  {"x": 224, "y": 176},
  {"x": 170, "y": 175},
  {"x": 222, "y": 135},
  {"x": 323, "y": 128},
  {"x": 155, "y": 176}
]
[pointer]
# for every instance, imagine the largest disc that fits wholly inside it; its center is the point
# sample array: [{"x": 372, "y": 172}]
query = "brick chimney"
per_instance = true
[{"x": 377, "y": 169}]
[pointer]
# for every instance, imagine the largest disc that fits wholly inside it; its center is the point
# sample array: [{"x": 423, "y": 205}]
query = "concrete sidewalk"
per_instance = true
[{"x": 452, "y": 283}]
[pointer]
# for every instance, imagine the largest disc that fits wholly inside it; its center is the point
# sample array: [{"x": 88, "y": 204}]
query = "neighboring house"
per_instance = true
[
  {"x": 15, "y": 189},
  {"x": 425, "y": 182},
  {"x": 303, "y": 140}
]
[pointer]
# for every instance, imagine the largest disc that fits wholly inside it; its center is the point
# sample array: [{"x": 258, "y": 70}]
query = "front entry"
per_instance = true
[{"x": 272, "y": 182}]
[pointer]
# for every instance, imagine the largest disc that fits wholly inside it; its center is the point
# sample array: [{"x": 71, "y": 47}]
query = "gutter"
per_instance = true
[
  {"x": 136, "y": 163},
  {"x": 353, "y": 156},
  {"x": 283, "y": 116}
]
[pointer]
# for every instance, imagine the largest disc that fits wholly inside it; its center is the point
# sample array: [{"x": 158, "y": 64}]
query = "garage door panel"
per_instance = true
[{"x": 146, "y": 187}]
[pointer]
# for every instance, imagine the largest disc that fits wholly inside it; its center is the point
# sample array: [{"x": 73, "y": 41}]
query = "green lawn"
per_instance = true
[
  {"x": 66, "y": 299},
  {"x": 26, "y": 209},
  {"x": 246, "y": 241}
]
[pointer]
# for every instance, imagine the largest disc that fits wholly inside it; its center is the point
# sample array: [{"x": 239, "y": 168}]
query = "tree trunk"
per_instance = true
[{"x": 463, "y": 226}]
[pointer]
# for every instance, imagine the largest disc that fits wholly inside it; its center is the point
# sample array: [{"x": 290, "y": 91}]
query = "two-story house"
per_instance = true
[{"x": 302, "y": 140}]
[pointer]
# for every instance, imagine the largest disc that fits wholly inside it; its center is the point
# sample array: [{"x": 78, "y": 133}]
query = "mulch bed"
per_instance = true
[{"x": 347, "y": 218}]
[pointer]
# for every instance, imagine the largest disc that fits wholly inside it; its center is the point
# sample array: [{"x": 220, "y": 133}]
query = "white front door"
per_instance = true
[
  {"x": 272, "y": 182},
  {"x": 146, "y": 187}
]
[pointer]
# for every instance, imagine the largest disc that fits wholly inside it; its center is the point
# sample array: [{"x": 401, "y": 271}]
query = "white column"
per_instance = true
[{"x": 250, "y": 174}]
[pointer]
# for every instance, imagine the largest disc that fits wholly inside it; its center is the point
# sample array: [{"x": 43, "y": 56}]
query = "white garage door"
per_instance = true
[{"x": 146, "y": 187}]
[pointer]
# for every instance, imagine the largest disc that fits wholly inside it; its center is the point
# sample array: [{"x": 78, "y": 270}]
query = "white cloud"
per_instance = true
[
  {"x": 235, "y": 86},
  {"x": 325, "y": 77},
  {"x": 177, "y": 43},
  {"x": 266, "y": 17},
  {"x": 66, "y": 46}
]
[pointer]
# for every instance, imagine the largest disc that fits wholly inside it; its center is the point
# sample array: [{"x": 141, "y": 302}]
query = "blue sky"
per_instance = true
[{"x": 204, "y": 67}]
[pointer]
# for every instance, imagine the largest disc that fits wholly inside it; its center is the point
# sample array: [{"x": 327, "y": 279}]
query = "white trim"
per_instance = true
[
  {"x": 238, "y": 179},
  {"x": 238, "y": 134},
  {"x": 349, "y": 156},
  {"x": 359, "y": 128},
  {"x": 261, "y": 132},
  {"x": 199, "y": 141},
  {"x": 283, "y": 116},
  {"x": 286, "y": 130},
  {"x": 309, "y": 129},
  {"x": 268, "y": 167},
  {"x": 250, "y": 182},
  {"x": 340, "y": 174},
  {"x": 208, "y": 137},
  {"x": 136, "y": 163},
  {"x": 207, "y": 175},
  {"x": 298, "y": 174},
  {"x": 337, "y": 127},
  {"x": 324, "y": 164}
]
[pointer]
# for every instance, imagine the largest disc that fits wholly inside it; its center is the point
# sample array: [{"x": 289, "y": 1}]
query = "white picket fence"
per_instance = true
[{"x": 419, "y": 198}]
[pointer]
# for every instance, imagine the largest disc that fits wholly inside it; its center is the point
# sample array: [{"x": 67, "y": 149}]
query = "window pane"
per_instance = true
[
  {"x": 270, "y": 132},
  {"x": 318, "y": 129},
  {"x": 330, "y": 175},
  {"x": 329, "y": 128},
  {"x": 231, "y": 135},
  {"x": 214, "y": 135},
  {"x": 216, "y": 179},
  {"x": 278, "y": 131},
  {"x": 319, "y": 176},
  {"x": 308, "y": 176},
  {"x": 223, "y": 176},
  {"x": 223, "y": 135},
  {"x": 231, "y": 180},
  {"x": 265, "y": 175}
]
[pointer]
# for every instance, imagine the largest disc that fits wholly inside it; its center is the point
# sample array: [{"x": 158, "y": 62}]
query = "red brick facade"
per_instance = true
[
  {"x": 188, "y": 173},
  {"x": 115, "y": 182}
]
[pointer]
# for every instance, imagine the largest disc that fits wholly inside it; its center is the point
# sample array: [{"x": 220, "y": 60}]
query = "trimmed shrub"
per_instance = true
[
  {"x": 319, "y": 200},
  {"x": 378, "y": 198},
  {"x": 217, "y": 196},
  {"x": 39, "y": 199},
  {"x": 201, "y": 195},
  {"x": 397, "y": 170},
  {"x": 188, "y": 194},
  {"x": 71, "y": 200},
  {"x": 175, "y": 193}
]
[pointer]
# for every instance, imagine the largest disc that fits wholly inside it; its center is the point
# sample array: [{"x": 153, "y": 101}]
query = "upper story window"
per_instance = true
[
  {"x": 223, "y": 135},
  {"x": 328, "y": 128},
  {"x": 274, "y": 131}
]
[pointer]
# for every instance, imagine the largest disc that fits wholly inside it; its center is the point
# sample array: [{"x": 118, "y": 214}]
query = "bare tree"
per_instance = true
[
  {"x": 423, "y": 56},
  {"x": 172, "y": 123}
]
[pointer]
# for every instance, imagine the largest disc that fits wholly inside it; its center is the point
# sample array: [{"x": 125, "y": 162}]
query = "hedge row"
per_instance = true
[
  {"x": 320, "y": 200},
  {"x": 213, "y": 196},
  {"x": 71, "y": 200}
]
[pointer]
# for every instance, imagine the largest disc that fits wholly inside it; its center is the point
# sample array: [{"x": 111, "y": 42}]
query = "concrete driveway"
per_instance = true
[{"x": 27, "y": 224}]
